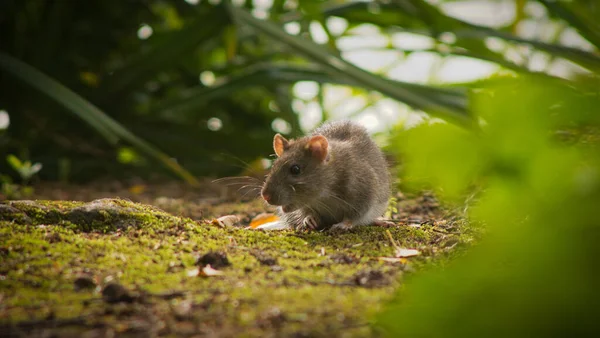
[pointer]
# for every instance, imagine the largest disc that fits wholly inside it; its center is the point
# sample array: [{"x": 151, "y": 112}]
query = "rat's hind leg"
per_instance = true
[
  {"x": 381, "y": 222},
  {"x": 344, "y": 225},
  {"x": 373, "y": 216}
]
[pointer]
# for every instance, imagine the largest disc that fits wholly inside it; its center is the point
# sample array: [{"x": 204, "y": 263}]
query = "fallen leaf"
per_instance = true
[
  {"x": 208, "y": 271},
  {"x": 400, "y": 252},
  {"x": 226, "y": 221},
  {"x": 262, "y": 219},
  {"x": 193, "y": 272}
]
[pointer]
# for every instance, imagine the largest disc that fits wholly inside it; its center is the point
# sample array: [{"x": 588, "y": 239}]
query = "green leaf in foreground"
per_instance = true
[
  {"x": 534, "y": 273},
  {"x": 111, "y": 130}
]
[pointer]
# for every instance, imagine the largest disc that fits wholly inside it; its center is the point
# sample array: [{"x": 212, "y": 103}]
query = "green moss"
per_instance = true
[{"x": 143, "y": 248}]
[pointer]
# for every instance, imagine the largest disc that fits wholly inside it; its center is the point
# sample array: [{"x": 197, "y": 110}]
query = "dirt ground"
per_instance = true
[{"x": 149, "y": 260}]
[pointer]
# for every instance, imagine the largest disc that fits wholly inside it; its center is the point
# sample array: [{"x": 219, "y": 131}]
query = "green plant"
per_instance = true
[{"x": 26, "y": 171}]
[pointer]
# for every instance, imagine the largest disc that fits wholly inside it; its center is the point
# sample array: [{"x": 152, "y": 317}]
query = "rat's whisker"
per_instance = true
[
  {"x": 234, "y": 184},
  {"x": 254, "y": 187},
  {"x": 238, "y": 178},
  {"x": 345, "y": 202},
  {"x": 250, "y": 191},
  {"x": 293, "y": 188},
  {"x": 324, "y": 206}
]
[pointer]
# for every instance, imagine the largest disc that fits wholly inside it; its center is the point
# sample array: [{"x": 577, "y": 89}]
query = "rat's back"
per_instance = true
[
  {"x": 361, "y": 168},
  {"x": 342, "y": 131}
]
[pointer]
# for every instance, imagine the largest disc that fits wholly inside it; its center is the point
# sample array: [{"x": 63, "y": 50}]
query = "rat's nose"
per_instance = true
[{"x": 266, "y": 196}]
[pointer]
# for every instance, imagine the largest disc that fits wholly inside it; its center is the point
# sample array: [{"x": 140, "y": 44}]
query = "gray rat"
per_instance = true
[{"x": 336, "y": 177}]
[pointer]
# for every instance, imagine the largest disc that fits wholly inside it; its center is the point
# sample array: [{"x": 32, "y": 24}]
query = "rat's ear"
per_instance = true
[
  {"x": 318, "y": 147},
  {"x": 280, "y": 144}
]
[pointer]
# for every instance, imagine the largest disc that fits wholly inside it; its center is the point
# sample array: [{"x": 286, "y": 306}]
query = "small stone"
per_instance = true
[
  {"x": 264, "y": 259},
  {"x": 53, "y": 237},
  {"x": 340, "y": 258},
  {"x": 84, "y": 283},
  {"x": 116, "y": 293},
  {"x": 216, "y": 260}
]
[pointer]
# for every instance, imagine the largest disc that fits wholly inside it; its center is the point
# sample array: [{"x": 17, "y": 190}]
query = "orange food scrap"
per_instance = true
[{"x": 262, "y": 219}]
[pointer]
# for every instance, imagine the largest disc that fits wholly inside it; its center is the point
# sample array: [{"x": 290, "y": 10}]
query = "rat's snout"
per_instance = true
[
  {"x": 267, "y": 195},
  {"x": 271, "y": 195}
]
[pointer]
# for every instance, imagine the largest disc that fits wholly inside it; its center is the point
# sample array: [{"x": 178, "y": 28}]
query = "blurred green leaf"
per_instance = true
[
  {"x": 533, "y": 274},
  {"x": 14, "y": 162}
]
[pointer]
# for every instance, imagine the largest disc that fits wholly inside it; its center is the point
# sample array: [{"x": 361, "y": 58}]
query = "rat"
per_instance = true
[{"x": 337, "y": 177}]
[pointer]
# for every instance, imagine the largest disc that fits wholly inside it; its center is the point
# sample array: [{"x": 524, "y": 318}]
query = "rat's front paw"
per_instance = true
[{"x": 309, "y": 223}]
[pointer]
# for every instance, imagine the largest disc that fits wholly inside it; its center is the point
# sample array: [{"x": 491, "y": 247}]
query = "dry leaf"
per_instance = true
[
  {"x": 226, "y": 221},
  {"x": 208, "y": 271},
  {"x": 193, "y": 272},
  {"x": 262, "y": 219},
  {"x": 400, "y": 252}
]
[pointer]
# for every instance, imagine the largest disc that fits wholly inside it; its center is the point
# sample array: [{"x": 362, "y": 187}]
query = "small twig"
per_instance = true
[
  {"x": 394, "y": 244},
  {"x": 313, "y": 282},
  {"x": 446, "y": 232},
  {"x": 168, "y": 295}
]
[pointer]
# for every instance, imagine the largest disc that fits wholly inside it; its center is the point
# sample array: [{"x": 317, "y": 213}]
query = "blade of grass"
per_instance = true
[
  {"x": 111, "y": 130},
  {"x": 587, "y": 29},
  {"x": 270, "y": 74},
  {"x": 338, "y": 67}
]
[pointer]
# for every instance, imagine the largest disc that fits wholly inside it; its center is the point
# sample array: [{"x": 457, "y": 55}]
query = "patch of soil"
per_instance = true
[
  {"x": 117, "y": 293},
  {"x": 264, "y": 258},
  {"x": 371, "y": 278}
]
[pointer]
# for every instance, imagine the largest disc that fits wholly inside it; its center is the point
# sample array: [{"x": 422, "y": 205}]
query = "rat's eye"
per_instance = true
[{"x": 295, "y": 169}]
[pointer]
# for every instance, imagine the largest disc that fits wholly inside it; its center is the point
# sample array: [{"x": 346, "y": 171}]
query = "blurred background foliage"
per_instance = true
[{"x": 113, "y": 88}]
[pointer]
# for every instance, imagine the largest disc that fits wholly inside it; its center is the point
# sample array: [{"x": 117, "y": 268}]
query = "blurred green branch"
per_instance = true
[{"x": 94, "y": 117}]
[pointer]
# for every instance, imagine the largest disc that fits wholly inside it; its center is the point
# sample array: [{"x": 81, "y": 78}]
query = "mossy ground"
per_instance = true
[{"x": 320, "y": 284}]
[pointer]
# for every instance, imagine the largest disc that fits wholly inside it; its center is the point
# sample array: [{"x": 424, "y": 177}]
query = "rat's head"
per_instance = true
[{"x": 299, "y": 173}]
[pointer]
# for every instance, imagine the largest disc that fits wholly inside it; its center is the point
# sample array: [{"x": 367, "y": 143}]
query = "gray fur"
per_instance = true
[{"x": 352, "y": 185}]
